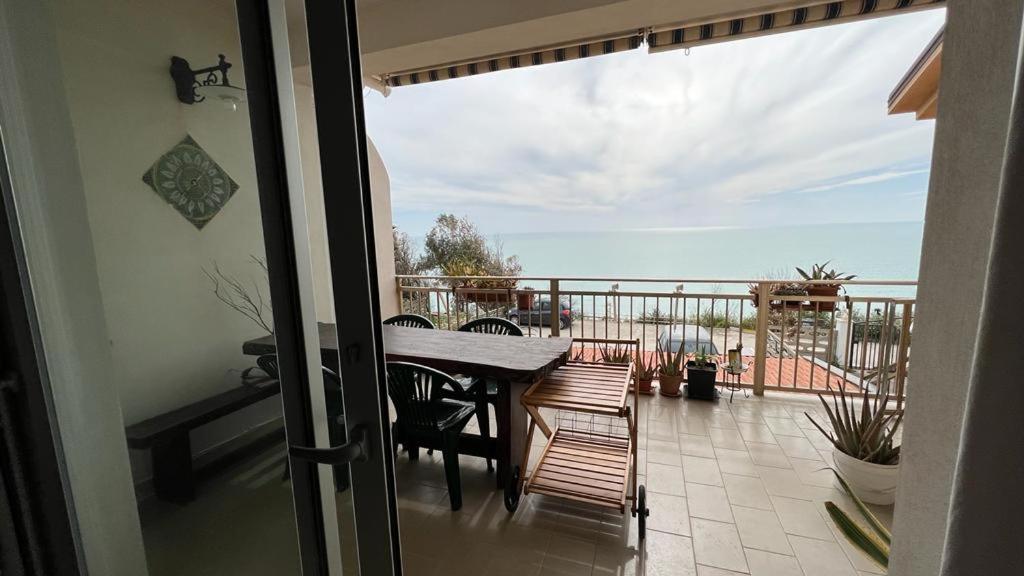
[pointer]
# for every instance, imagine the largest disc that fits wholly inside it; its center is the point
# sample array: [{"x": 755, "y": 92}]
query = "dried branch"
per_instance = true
[{"x": 238, "y": 296}]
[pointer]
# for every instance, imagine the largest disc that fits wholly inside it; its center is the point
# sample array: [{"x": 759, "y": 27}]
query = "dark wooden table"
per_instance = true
[{"x": 515, "y": 362}]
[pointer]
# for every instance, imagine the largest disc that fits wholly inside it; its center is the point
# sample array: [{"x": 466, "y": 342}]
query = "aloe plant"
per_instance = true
[
  {"x": 702, "y": 359},
  {"x": 865, "y": 434},
  {"x": 645, "y": 368},
  {"x": 616, "y": 354},
  {"x": 671, "y": 363},
  {"x": 874, "y": 540},
  {"x": 818, "y": 272}
]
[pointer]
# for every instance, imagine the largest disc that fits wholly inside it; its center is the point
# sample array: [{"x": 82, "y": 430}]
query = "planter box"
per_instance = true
[
  {"x": 700, "y": 382},
  {"x": 823, "y": 290}
]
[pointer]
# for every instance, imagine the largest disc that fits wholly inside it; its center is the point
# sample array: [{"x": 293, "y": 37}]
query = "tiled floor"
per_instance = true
[{"x": 733, "y": 489}]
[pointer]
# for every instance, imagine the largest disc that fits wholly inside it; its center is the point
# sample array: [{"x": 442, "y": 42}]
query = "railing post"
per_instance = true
[
  {"x": 761, "y": 336},
  {"x": 903, "y": 354},
  {"x": 556, "y": 308},
  {"x": 398, "y": 294}
]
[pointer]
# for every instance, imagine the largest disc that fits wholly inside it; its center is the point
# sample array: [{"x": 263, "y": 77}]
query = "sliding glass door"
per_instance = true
[{"x": 210, "y": 375}]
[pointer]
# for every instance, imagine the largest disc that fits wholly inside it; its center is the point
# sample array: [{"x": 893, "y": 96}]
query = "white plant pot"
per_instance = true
[{"x": 872, "y": 483}]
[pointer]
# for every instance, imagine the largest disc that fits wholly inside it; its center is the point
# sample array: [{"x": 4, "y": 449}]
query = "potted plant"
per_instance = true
[
  {"x": 700, "y": 375},
  {"x": 790, "y": 289},
  {"x": 645, "y": 369},
  {"x": 862, "y": 440},
  {"x": 818, "y": 272},
  {"x": 670, "y": 371}
]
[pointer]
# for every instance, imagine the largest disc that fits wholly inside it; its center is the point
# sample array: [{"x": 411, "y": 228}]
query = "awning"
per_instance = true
[
  {"x": 669, "y": 37},
  {"x": 569, "y": 51},
  {"x": 814, "y": 14}
]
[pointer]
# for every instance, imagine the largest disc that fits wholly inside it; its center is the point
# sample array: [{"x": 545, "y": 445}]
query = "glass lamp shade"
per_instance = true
[{"x": 229, "y": 96}]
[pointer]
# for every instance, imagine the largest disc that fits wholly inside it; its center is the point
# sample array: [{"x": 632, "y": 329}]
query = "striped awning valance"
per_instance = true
[
  {"x": 814, "y": 14},
  {"x": 572, "y": 51}
]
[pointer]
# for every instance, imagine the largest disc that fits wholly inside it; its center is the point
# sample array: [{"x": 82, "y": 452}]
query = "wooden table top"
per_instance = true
[{"x": 516, "y": 358}]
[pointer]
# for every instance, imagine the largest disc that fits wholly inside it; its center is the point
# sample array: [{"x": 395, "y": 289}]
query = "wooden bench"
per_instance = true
[{"x": 167, "y": 436}]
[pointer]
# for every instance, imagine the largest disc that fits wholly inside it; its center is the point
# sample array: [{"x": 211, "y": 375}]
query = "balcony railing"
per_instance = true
[{"x": 859, "y": 338}]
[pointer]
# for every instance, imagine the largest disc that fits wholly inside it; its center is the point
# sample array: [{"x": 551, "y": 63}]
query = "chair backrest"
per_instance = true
[
  {"x": 410, "y": 321},
  {"x": 268, "y": 363},
  {"x": 491, "y": 325},
  {"x": 414, "y": 389}
]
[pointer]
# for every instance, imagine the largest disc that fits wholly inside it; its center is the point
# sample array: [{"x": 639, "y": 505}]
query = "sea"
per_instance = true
[{"x": 872, "y": 251}]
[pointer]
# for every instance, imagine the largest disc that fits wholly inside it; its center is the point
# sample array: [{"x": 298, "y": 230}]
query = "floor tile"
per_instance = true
[
  {"x": 668, "y": 514},
  {"x": 726, "y": 438},
  {"x": 756, "y": 432},
  {"x": 717, "y": 544},
  {"x": 693, "y": 445},
  {"x": 663, "y": 452},
  {"x": 702, "y": 471},
  {"x": 783, "y": 482},
  {"x": 712, "y": 571},
  {"x": 709, "y": 502},
  {"x": 746, "y": 491},
  {"x": 768, "y": 455},
  {"x": 768, "y": 564},
  {"x": 821, "y": 558},
  {"x": 783, "y": 426},
  {"x": 797, "y": 447},
  {"x": 665, "y": 479},
  {"x": 801, "y": 518},
  {"x": 761, "y": 529},
  {"x": 735, "y": 462},
  {"x": 668, "y": 555},
  {"x": 693, "y": 425},
  {"x": 813, "y": 472}
]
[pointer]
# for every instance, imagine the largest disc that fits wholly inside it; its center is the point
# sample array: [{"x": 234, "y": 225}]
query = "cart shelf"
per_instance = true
[
  {"x": 583, "y": 387},
  {"x": 585, "y": 469}
]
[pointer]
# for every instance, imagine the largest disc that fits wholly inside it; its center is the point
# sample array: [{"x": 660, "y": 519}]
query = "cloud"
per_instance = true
[{"x": 637, "y": 140}]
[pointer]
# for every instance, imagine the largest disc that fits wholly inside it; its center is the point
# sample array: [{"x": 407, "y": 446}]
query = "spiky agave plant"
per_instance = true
[
  {"x": 873, "y": 540},
  {"x": 616, "y": 354},
  {"x": 671, "y": 363},
  {"x": 865, "y": 434}
]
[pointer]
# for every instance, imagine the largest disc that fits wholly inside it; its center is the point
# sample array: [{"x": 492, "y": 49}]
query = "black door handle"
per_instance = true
[{"x": 357, "y": 449}]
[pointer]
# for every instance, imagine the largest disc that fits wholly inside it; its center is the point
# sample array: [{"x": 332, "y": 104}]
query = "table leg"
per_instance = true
[{"x": 511, "y": 418}]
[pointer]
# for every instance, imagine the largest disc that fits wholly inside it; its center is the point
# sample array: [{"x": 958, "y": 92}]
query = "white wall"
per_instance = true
[
  {"x": 381, "y": 196},
  {"x": 978, "y": 64},
  {"x": 51, "y": 207}
]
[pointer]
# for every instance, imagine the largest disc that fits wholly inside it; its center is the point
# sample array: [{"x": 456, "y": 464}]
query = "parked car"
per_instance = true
[
  {"x": 688, "y": 337},
  {"x": 540, "y": 314}
]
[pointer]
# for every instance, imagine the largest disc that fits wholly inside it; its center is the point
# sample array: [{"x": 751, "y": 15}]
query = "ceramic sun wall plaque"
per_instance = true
[{"x": 188, "y": 179}]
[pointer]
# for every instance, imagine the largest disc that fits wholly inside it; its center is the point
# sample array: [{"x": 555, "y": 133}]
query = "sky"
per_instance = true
[{"x": 772, "y": 131}]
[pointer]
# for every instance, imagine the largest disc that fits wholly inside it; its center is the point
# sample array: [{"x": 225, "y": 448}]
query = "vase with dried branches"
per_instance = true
[{"x": 248, "y": 299}]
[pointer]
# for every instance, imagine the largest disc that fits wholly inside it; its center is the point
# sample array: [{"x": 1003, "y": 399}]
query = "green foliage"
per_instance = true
[
  {"x": 873, "y": 540},
  {"x": 406, "y": 261},
  {"x": 616, "y": 354},
  {"x": 865, "y": 434},
  {"x": 670, "y": 363},
  {"x": 701, "y": 358},
  {"x": 645, "y": 368},
  {"x": 455, "y": 247},
  {"x": 818, "y": 272}
]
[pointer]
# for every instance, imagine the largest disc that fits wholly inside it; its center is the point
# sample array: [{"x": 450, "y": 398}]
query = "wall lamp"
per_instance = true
[{"x": 195, "y": 86}]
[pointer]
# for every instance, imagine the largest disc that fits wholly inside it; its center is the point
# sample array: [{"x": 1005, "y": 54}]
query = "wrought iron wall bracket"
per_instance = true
[{"x": 187, "y": 80}]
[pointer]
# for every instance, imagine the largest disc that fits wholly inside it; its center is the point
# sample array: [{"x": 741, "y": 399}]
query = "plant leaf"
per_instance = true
[
  {"x": 873, "y": 520},
  {"x": 862, "y": 539}
]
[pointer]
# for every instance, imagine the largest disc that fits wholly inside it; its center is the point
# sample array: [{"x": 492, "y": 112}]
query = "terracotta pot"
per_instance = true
[
  {"x": 823, "y": 290},
  {"x": 646, "y": 385},
  {"x": 872, "y": 483},
  {"x": 486, "y": 295},
  {"x": 669, "y": 385}
]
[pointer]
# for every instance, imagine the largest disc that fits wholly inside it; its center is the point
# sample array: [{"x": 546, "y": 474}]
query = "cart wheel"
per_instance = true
[
  {"x": 512, "y": 491},
  {"x": 642, "y": 511}
]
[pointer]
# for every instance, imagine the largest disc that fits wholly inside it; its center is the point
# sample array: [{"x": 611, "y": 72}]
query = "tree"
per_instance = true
[
  {"x": 406, "y": 261},
  {"x": 455, "y": 247}
]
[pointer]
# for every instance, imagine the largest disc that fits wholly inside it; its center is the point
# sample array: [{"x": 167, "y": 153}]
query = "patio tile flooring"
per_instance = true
[{"x": 722, "y": 503}]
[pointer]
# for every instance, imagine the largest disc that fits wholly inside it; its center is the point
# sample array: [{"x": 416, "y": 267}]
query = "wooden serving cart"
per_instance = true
[{"x": 591, "y": 453}]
